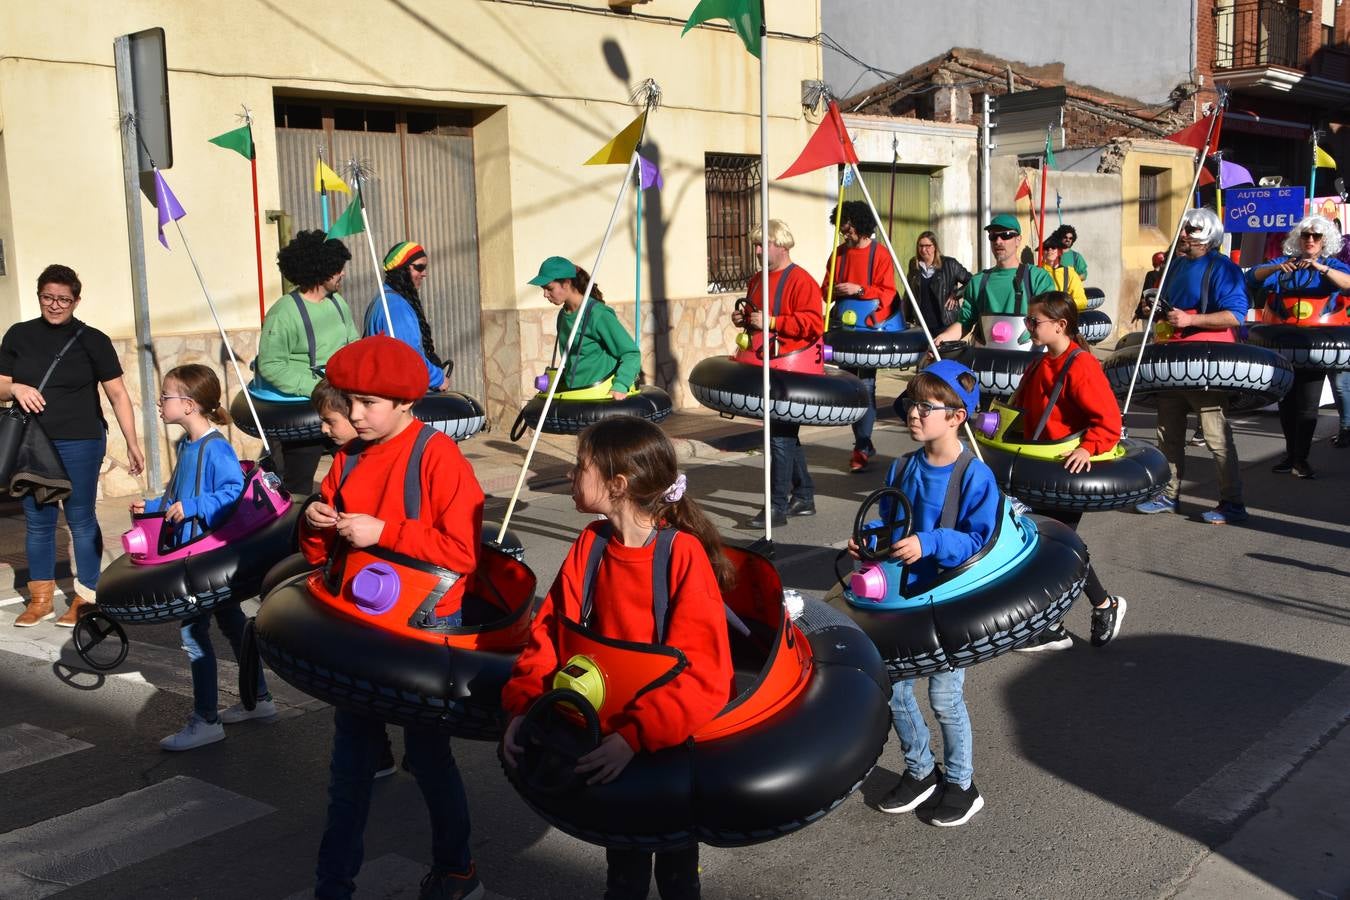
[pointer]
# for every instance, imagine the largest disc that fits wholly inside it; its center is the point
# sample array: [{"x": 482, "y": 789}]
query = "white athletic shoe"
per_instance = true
[
  {"x": 196, "y": 733},
  {"x": 263, "y": 709}
]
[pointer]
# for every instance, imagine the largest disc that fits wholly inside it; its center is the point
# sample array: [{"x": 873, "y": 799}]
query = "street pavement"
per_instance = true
[{"x": 1202, "y": 755}]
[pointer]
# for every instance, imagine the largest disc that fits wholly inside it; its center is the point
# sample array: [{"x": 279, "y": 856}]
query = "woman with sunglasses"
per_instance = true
[
  {"x": 1066, "y": 389},
  {"x": 67, "y": 407},
  {"x": 405, "y": 268},
  {"x": 1301, "y": 287}
]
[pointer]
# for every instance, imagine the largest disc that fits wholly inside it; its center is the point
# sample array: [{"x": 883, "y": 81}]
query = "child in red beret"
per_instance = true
[{"x": 382, "y": 377}]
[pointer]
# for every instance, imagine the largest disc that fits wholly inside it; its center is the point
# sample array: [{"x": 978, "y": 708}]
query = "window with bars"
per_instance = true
[
  {"x": 732, "y": 184},
  {"x": 1150, "y": 190}
]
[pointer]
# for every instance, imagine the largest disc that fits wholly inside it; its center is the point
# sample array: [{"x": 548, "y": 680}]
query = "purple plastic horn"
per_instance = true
[
  {"x": 986, "y": 423},
  {"x": 375, "y": 588}
]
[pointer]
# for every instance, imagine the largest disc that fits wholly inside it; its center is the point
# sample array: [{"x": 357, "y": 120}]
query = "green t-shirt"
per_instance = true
[
  {"x": 283, "y": 347},
  {"x": 604, "y": 348},
  {"x": 1000, "y": 297},
  {"x": 1075, "y": 259}
]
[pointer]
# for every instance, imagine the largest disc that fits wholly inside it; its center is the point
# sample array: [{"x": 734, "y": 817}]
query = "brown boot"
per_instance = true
[
  {"x": 39, "y": 604},
  {"x": 84, "y": 599}
]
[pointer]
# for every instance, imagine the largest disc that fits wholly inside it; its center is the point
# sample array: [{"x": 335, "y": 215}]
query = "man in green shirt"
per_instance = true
[
  {"x": 604, "y": 347},
  {"x": 998, "y": 296}
]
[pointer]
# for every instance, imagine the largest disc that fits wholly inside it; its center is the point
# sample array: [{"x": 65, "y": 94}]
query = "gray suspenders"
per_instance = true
[
  {"x": 309, "y": 327},
  {"x": 1055, "y": 391}
]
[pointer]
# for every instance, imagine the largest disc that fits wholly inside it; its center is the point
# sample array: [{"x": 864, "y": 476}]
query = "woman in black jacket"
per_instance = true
[{"x": 936, "y": 281}]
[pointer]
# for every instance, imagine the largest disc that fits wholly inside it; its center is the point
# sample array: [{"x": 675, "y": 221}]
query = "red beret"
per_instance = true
[{"x": 381, "y": 366}]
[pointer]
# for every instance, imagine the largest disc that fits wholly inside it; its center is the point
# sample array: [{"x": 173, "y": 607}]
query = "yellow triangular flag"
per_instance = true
[
  {"x": 1322, "y": 159},
  {"x": 621, "y": 146},
  {"x": 326, "y": 179}
]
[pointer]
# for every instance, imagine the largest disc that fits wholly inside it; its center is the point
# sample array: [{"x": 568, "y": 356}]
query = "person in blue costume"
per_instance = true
[
  {"x": 206, "y": 483},
  {"x": 405, "y": 268},
  {"x": 936, "y": 404}
]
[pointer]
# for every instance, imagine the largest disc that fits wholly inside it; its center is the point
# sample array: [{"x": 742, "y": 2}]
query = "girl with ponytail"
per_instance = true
[
  {"x": 405, "y": 268},
  {"x": 626, "y": 470},
  {"x": 206, "y": 483}
]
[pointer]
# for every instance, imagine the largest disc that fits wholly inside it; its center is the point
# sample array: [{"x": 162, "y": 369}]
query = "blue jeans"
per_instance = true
[
  {"x": 196, "y": 636},
  {"x": 358, "y": 744},
  {"x": 82, "y": 460},
  {"x": 1340, "y": 389},
  {"x": 862, "y": 429},
  {"x": 788, "y": 475},
  {"x": 945, "y": 695}
]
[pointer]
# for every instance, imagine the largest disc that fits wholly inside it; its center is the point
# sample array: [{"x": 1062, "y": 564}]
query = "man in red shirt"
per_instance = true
[
  {"x": 863, "y": 270},
  {"x": 795, "y": 322}
]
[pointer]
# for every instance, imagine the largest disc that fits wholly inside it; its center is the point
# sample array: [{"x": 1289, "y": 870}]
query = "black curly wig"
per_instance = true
[
  {"x": 859, "y": 215},
  {"x": 310, "y": 259}
]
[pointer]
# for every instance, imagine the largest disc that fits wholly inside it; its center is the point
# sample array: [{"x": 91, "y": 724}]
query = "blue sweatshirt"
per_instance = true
[
  {"x": 926, "y": 487},
  {"x": 222, "y": 483},
  {"x": 1227, "y": 285},
  {"x": 406, "y": 329},
  {"x": 1298, "y": 283}
]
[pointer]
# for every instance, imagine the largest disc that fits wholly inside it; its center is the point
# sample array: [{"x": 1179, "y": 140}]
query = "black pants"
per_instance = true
[
  {"x": 1093, "y": 585},
  {"x": 630, "y": 874},
  {"x": 1298, "y": 414},
  {"x": 296, "y": 464}
]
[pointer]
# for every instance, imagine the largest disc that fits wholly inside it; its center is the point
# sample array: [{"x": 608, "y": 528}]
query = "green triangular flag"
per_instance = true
[
  {"x": 744, "y": 16},
  {"x": 350, "y": 222},
  {"x": 240, "y": 141},
  {"x": 1049, "y": 154}
]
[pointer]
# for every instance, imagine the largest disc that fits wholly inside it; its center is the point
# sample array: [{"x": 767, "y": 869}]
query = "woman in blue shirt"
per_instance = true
[{"x": 405, "y": 268}]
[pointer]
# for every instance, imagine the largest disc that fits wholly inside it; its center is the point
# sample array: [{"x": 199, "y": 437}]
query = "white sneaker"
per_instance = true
[
  {"x": 196, "y": 733},
  {"x": 263, "y": 709}
]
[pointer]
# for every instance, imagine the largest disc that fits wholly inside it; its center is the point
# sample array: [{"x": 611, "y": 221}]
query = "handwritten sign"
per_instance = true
[{"x": 1262, "y": 209}]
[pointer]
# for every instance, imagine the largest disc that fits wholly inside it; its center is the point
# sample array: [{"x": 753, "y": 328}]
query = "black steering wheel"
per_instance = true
[
  {"x": 553, "y": 741},
  {"x": 874, "y": 541}
]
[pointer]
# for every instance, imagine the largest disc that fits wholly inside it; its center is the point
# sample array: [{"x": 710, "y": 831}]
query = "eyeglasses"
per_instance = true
[
  {"x": 1003, "y": 235},
  {"x": 418, "y": 267},
  {"x": 54, "y": 300},
  {"x": 922, "y": 407},
  {"x": 163, "y": 397},
  {"x": 1311, "y": 235},
  {"x": 1032, "y": 323},
  {"x": 927, "y": 246}
]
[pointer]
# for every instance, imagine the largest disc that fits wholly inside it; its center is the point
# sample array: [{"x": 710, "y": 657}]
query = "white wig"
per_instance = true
[
  {"x": 1210, "y": 228},
  {"x": 1331, "y": 236}
]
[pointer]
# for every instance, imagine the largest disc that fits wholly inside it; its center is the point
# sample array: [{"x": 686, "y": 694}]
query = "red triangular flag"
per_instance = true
[
  {"x": 829, "y": 146},
  {"x": 1205, "y": 177},
  {"x": 1023, "y": 190},
  {"x": 1194, "y": 135}
]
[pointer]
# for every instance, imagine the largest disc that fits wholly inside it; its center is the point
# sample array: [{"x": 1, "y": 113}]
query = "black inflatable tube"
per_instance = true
[
  {"x": 1046, "y": 484},
  {"x": 1316, "y": 348},
  {"x": 401, "y": 680},
  {"x": 998, "y": 371},
  {"x": 752, "y": 786},
  {"x": 877, "y": 349},
  {"x": 572, "y": 416},
  {"x": 735, "y": 389},
  {"x": 1096, "y": 297},
  {"x": 999, "y": 616},
  {"x": 178, "y": 589},
  {"x": 1253, "y": 376},
  {"x": 457, "y": 415},
  {"x": 1094, "y": 325}
]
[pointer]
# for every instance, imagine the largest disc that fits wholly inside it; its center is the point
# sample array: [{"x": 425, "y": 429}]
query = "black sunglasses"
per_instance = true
[
  {"x": 418, "y": 267},
  {"x": 1003, "y": 235}
]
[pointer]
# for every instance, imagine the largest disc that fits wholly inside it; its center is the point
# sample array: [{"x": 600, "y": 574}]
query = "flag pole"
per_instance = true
[
  {"x": 1171, "y": 254},
  {"x": 834, "y": 249},
  {"x": 257, "y": 219},
  {"x": 323, "y": 192},
  {"x": 1045, "y": 168},
  {"x": 637, "y": 266},
  {"x": 1312, "y": 173},
  {"x": 764, "y": 268},
  {"x": 370, "y": 242},
  {"x": 567, "y": 350}
]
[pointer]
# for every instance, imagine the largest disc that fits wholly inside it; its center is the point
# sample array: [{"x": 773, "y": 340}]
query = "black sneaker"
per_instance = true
[
  {"x": 1303, "y": 470},
  {"x": 1052, "y": 638},
  {"x": 442, "y": 884},
  {"x": 1283, "y": 467},
  {"x": 957, "y": 805},
  {"x": 909, "y": 793},
  {"x": 1342, "y": 439},
  {"x": 779, "y": 519},
  {"x": 1106, "y": 621},
  {"x": 1197, "y": 438},
  {"x": 800, "y": 507}
]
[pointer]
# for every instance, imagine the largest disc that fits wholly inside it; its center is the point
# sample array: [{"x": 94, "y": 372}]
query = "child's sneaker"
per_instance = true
[
  {"x": 1159, "y": 504},
  {"x": 957, "y": 805},
  {"x": 1106, "y": 621},
  {"x": 196, "y": 733},
  {"x": 1226, "y": 514},
  {"x": 1052, "y": 638},
  {"x": 263, "y": 709},
  {"x": 909, "y": 793},
  {"x": 442, "y": 884}
]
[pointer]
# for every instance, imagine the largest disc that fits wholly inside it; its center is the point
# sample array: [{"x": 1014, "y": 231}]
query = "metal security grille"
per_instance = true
[
  {"x": 1150, "y": 189},
  {"x": 1252, "y": 33},
  {"x": 422, "y": 189},
  {"x": 732, "y": 184}
]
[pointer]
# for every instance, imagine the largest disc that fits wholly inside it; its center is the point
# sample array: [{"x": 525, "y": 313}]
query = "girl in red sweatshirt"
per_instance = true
[
  {"x": 626, "y": 471},
  {"x": 1083, "y": 403}
]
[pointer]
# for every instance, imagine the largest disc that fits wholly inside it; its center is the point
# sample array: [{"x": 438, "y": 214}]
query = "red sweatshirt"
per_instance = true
[
  {"x": 449, "y": 529},
  {"x": 1087, "y": 403},
  {"x": 878, "y": 284},
  {"x": 800, "y": 320},
  {"x": 671, "y": 713}
]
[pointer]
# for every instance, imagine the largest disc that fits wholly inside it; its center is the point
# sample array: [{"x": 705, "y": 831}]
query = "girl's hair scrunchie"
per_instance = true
[{"x": 676, "y": 490}]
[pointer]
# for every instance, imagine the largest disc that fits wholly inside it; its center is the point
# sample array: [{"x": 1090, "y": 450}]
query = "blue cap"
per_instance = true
[{"x": 949, "y": 370}]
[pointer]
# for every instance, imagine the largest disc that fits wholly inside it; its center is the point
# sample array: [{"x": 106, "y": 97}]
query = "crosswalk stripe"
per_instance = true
[
  {"x": 58, "y": 853},
  {"x": 27, "y": 745},
  {"x": 389, "y": 877}
]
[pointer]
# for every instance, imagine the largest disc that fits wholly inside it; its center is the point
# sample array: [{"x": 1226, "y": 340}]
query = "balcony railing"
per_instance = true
[{"x": 1258, "y": 33}]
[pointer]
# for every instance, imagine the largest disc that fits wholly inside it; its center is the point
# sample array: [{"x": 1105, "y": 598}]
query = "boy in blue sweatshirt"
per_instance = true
[{"x": 935, "y": 405}]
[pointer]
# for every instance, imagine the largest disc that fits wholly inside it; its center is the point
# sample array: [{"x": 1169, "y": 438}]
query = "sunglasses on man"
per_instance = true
[{"x": 1003, "y": 235}]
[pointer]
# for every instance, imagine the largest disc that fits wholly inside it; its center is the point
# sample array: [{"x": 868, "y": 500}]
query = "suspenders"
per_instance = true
[
  {"x": 170, "y": 497},
  {"x": 665, "y": 540},
  {"x": 1021, "y": 289},
  {"x": 1055, "y": 391},
  {"x": 951, "y": 503},
  {"x": 412, "y": 475},
  {"x": 309, "y": 327}
]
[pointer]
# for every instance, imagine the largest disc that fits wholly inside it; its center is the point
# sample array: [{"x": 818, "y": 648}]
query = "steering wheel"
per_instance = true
[
  {"x": 553, "y": 741},
  {"x": 92, "y": 630},
  {"x": 901, "y": 516}
]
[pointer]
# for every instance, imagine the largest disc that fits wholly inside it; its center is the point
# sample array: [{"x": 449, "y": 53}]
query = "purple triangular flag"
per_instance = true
[
  {"x": 1232, "y": 175},
  {"x": 648, "y": 174},
  {"x": 170, "y": 210}
]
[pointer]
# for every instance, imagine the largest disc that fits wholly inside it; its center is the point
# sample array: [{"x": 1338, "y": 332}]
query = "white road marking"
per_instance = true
[{"x": 27, "y": 745}]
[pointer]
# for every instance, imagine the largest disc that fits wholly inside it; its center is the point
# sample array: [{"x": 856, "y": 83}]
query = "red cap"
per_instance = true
[
  {"x": 381, "y": 366},
  {"x": 1159, "y": 259}
]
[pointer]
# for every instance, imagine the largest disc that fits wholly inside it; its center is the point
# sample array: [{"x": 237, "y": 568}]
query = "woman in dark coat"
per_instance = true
[{"x": 936, "y": 281}]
